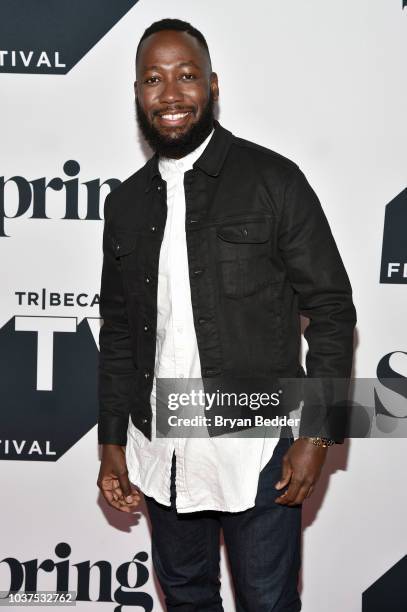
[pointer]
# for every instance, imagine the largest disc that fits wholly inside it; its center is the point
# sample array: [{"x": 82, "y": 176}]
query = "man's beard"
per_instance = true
[{"x": 185, "y": 143}]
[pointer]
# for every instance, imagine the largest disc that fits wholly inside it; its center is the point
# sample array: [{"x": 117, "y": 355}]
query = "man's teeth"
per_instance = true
[{"x": 174, "y": 117}]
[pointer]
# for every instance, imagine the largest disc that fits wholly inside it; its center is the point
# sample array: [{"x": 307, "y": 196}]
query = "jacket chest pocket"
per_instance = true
[
  {"x": 126, "y": 246},
  {"x": 244, "y": 256}
]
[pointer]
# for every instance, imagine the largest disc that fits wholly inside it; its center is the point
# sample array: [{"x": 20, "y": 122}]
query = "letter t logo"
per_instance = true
[{"x": 45, "y": 327}]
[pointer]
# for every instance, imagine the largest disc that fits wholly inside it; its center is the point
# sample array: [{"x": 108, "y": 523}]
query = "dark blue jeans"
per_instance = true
[{"x": 262, "y": 543}]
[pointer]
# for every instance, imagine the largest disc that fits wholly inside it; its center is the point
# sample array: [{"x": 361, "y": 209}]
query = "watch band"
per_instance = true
[{"x": 322, "y": 441}]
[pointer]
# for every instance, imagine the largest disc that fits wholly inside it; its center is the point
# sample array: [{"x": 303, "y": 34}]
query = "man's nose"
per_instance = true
[{"x": 171, "y": 92}]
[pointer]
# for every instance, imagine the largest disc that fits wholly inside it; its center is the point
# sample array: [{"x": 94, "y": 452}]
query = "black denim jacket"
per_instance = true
[{"x": 260, "y": 251}]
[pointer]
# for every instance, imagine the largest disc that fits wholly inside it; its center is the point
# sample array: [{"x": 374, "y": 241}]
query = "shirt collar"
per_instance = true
[
  {"x": 209, "y": 161},
  {"x": 168, "y": 165}
]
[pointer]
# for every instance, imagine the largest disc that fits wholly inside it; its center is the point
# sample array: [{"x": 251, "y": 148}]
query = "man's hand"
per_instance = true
[
  {"x": 302, "y": 465},
  {"x": 113, "y": 480}
]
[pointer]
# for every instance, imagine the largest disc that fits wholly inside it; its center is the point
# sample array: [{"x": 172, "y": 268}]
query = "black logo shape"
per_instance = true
[
  {"x": 48, "y": 386},
  {"x": 51, "y": 37},
  {"x": 389, "y": 592},
  {"x": 33, "y": 196},
  {"x": 130, "y": 576},
  {"x": 394, "y": 252}
]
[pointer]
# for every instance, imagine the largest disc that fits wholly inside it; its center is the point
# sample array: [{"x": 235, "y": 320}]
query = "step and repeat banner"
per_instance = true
[{"x": 323, "y": 83}]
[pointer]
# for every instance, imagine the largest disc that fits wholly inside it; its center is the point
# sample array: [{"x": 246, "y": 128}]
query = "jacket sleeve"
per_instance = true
[
  {"x": 117, "y": 372},
  {"x": 316, "y": 272}
]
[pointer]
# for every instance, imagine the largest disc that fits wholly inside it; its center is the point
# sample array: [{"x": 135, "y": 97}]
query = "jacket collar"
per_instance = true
[{"x": 211, "y": 160}]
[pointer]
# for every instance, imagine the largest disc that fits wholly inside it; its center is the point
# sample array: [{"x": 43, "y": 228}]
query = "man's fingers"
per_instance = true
[
  {"x": 120, "y": 503},
  {"x": 131, "y": 497},
  {"x": 125, "y": 487},
  {"x": 116, "y": 490},
  {"x": 291, "y": 493},
  {"x": 113, "y": 494},
  {"x": 310, "y": 490},
  {"x": 286, "y": 474},
  {"x": 301, "y": 495},
  {"x": 295, "y": 494},
  {"x": 131, "y": 500},
  {"x": 109, "y": 497}
]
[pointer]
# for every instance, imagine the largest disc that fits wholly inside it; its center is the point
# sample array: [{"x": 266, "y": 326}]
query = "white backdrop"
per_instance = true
[{"x": 322, "y": 83}]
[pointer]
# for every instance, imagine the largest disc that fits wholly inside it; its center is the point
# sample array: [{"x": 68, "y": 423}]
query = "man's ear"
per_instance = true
[
  {"x": 214, "y": 85},
  {"x": 135, "y": 88}
]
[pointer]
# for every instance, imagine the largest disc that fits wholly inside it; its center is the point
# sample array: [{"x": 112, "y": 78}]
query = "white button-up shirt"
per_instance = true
[{"x": 218, "y": 473}]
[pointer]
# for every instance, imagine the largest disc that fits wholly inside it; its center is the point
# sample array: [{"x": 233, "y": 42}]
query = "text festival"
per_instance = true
[{"x": 30, "y": 58}]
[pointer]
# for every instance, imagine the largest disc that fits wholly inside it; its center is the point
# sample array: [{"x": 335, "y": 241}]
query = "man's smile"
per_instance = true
[{"x": 173, "y": 118}]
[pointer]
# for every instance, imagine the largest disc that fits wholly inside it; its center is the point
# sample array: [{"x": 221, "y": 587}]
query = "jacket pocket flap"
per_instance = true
[
  {"x": 245, "y": 231},
  {"x": 123, "y": 243}
]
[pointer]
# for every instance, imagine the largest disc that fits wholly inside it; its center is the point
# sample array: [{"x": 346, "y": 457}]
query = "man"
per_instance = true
[{"x": 211, "y": 252}]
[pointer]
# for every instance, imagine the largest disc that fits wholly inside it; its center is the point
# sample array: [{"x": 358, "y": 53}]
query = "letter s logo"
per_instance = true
[{"x": 392, "y": 376}]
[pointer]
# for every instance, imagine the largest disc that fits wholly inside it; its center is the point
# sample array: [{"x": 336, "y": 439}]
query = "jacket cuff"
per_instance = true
[{"x": 113, "y": 430}]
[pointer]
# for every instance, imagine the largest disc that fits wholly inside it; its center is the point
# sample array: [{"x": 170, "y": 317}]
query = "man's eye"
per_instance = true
[
  {"x": 152, "y": 79},
  {"x": 188, "y": 77}
]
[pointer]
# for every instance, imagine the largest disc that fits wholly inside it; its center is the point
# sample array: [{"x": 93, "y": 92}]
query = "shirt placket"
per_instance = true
[{"x": 178, "y": 277}]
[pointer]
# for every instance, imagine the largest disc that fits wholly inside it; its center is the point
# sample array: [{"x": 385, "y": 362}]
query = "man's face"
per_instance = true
[{"x": 175, "y": 92}]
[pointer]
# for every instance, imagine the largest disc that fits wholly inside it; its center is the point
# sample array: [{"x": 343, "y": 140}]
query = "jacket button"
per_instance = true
[
  {"x": 245, "y": 231},
  {"x": 147, "y": 278},
  {"x": 144, "y": 420},
  {"x": 153, "y": 228},
  {"x": 117, "y": 247},
  {"x": 146, "y": 328},
  {"x": 159, "y": 187},
  {"x": 198, "y": 271},
  {"x": 201, "y": 320},
  {"x": 146, "y": 375}
]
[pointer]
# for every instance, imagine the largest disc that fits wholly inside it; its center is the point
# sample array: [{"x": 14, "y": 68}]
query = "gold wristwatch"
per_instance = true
[{"x": 322, "y": 441}]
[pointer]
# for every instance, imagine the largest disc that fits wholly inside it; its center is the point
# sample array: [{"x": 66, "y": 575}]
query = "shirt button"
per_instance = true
[
  {"x": 179, "y": 330},
  {"x": 180, "y": 376}
]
